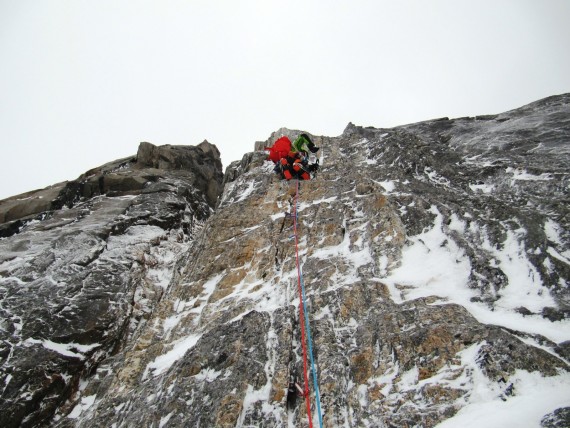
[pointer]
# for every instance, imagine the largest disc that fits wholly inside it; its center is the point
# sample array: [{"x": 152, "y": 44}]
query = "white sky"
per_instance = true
[{"x": 82, "y": 82}]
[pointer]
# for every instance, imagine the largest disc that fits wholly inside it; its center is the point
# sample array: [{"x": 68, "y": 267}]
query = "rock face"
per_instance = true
[
  {"x": 83, "y": 264},
  {"x": 435, "y": 258}
]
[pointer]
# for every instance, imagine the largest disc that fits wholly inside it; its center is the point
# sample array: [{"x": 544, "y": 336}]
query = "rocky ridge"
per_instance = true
[
  {"x": 83, "y": 263},
  {"x": 435, "y": 256}
]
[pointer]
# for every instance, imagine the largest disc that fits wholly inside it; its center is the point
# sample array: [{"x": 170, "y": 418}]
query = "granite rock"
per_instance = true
[{"x": 435, "y": 258}]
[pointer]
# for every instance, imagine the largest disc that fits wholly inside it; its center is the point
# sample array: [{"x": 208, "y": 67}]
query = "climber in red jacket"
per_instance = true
[
  {"x": 294, "y": 165},
  {"x": 279, "y": 150},
  {"x": 290, "y": 162}
]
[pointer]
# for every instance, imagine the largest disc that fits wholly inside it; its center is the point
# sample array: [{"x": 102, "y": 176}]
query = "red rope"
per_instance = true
[{"x": 301, "y": 312}]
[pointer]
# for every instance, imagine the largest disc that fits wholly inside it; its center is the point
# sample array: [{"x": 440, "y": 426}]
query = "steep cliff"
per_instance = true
[
  {"x": 82, "y": 265},
  {"x": 435, "y": 258}
]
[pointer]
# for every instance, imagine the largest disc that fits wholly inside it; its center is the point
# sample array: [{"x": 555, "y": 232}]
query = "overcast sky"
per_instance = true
[{"x": 82, "y": 82}]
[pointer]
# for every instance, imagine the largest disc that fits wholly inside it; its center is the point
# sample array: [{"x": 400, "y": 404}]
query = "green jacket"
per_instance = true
[{"x": 301, "y": 144}]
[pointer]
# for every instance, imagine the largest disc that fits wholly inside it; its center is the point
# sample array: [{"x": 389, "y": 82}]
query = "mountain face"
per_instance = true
[{"x": 157, "y": 292}]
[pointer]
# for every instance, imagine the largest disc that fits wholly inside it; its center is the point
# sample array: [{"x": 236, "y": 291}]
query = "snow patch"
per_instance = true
[
  {"x": 208, "y": 289},
  {"x": 277, "y": 216},
  {"x": 557, "y": 255},
  {"x": 524, "y": 286},
  {"x": 208, "y": 375},
  {"x": 435, "y": 177},
  {"x": 142, "y": 234},
  {"x": 353, "y": 256},
  {"x": 163, "y": 362},
  {"x": 388, "y": 185},
  {"x": 488, "y": 406},
  {"x": 82, "y": 406},
  {"x": 74, "y": 350},
  {"x": 305, "y": 205},
  {"x": 485, "y": 188},
  {"x": 164, "y": 420},
  {"x": 522, "y": 174},
  {"x": 409, "y": 379},
  {"x": 246, "y": 192},
  {"x": 434, "y": 265},
  {"x": 552, "y": 231}
]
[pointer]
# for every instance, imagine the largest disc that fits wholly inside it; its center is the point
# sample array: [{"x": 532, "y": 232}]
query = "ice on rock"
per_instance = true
[{"x": 435, "y": 269}]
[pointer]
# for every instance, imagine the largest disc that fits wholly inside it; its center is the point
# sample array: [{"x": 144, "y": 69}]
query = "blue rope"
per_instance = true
[{"x": 308, "y": 328}]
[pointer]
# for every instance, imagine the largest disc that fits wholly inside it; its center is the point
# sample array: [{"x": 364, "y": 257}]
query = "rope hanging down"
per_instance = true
[{"x": 304, "y": 321}]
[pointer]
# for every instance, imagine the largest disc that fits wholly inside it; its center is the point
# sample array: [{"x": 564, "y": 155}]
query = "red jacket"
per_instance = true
[{"x": 280, "y": 149}]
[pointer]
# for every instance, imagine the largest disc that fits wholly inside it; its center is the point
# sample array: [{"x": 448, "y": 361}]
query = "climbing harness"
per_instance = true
[{"x": 304, "y": 322}]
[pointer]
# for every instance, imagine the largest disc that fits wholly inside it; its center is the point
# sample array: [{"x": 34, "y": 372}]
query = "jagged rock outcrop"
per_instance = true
[
  {"x": 83, "y": 265},
  {"x": 435, "y": 257}
]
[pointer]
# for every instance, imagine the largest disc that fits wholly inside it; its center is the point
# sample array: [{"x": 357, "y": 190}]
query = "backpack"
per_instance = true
[{"x": 279, "y": 150}]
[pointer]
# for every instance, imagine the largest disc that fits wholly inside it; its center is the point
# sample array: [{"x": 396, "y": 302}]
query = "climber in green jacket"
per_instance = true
[
  {"x": 304, "y": 144},
  {"x": 299, "y": 156}
]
